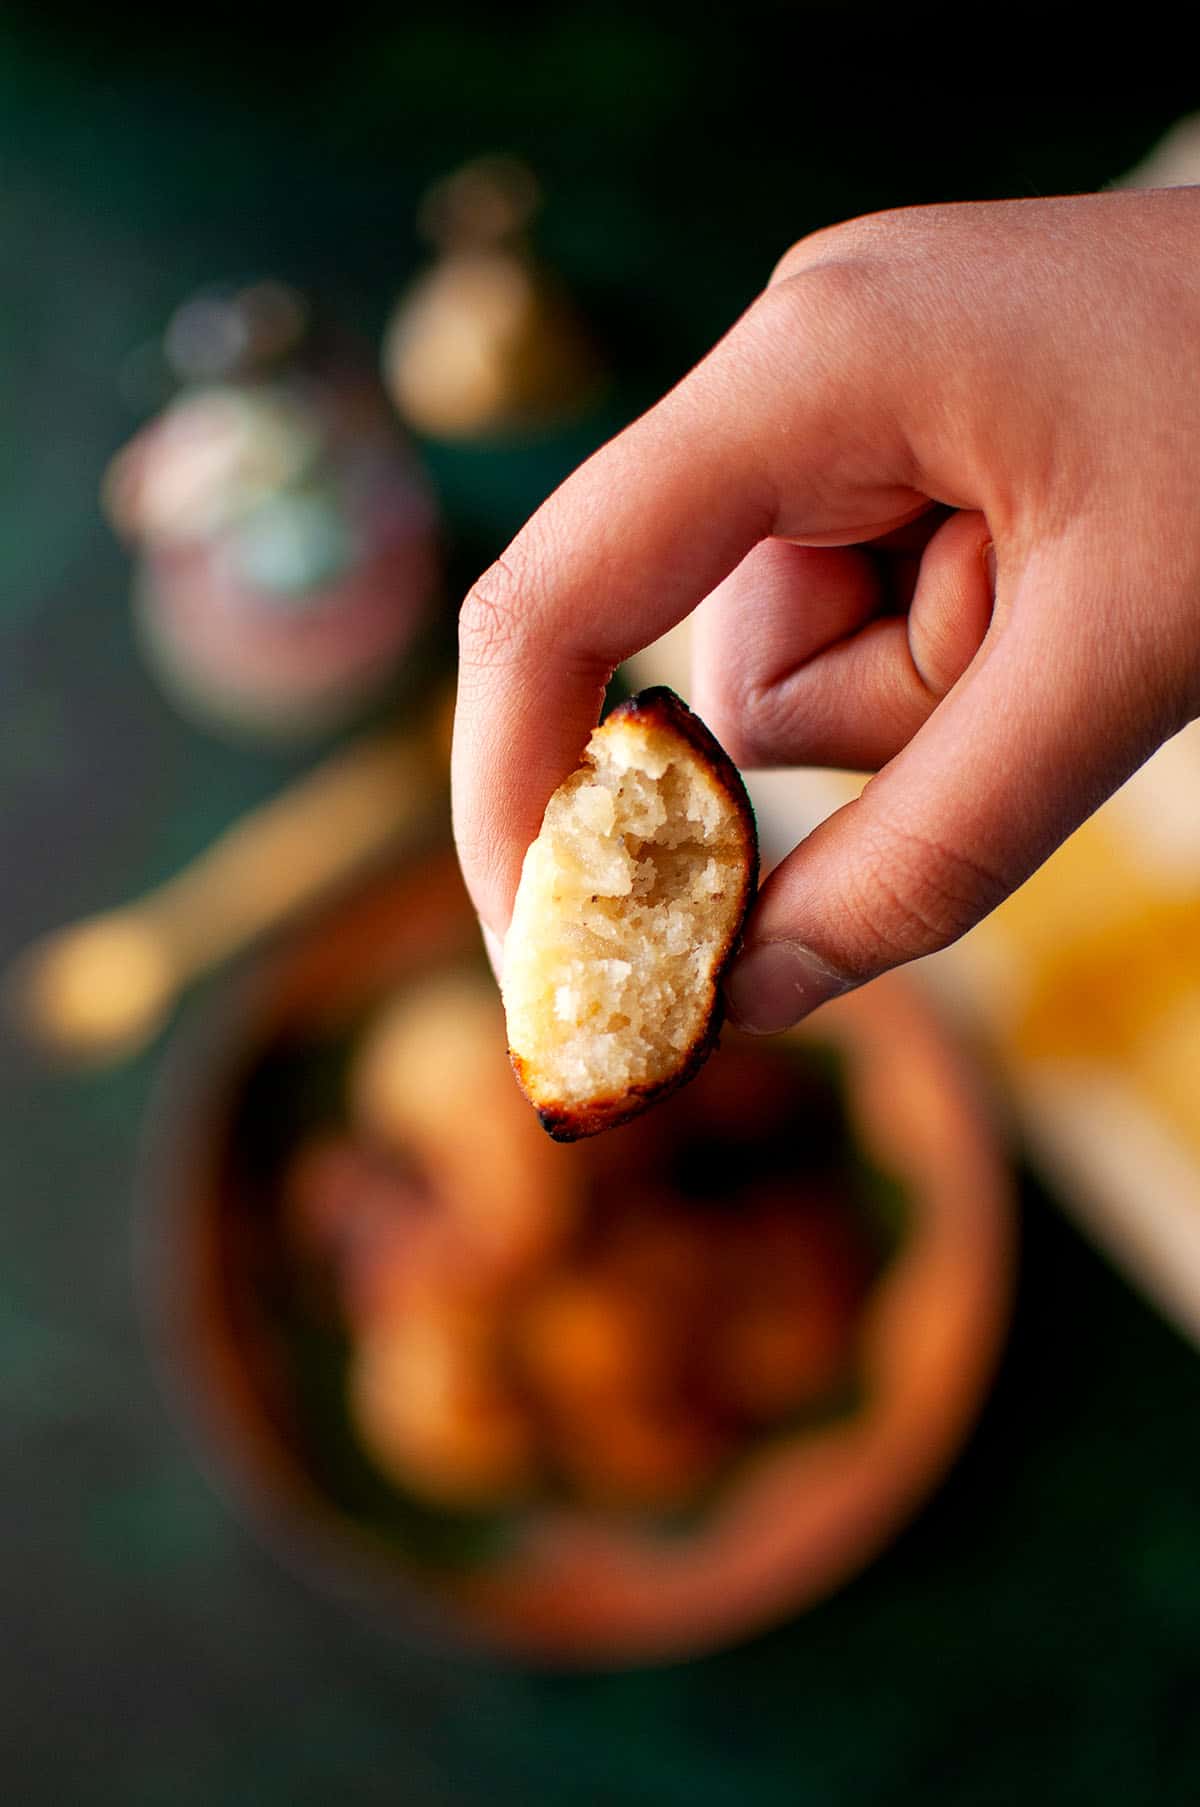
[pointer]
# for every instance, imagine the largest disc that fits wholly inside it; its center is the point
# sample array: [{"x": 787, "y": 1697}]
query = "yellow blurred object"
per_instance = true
[
  {"x": 433, "y": 1081},
  {"x": 1114, "y": 987},
  {"x": 1166, "y": 1064},
  {"x": 486, "y": 341},
  {"x": 1100, "y": 950},
  {"x": 432, "y": 1408},
  {"x": 1126, "y": 994},
  {"x": 99, "y": 990},
  {"x": 1088, "y": 982}
]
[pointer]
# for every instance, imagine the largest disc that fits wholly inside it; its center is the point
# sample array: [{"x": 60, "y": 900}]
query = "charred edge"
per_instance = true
[{"x": 572, "y": 1123}]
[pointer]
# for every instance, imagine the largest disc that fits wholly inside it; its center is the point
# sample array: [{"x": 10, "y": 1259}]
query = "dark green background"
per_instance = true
[{"x": 1034, "y": 1636}]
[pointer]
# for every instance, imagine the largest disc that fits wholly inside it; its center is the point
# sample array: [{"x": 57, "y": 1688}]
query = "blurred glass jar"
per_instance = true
[
  {"x": 486, "y": 344},
  {"x": 286, "y": 535}
]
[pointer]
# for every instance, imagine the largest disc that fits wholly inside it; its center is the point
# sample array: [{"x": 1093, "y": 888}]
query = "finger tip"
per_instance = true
[{"x": 775, "y": 984}]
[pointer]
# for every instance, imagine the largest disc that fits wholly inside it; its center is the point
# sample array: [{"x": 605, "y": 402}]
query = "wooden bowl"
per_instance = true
[{"x": 798, "y": 1517}]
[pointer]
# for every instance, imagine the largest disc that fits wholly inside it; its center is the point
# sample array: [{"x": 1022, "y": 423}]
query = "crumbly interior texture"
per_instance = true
[{"x": 628, "y": 901}]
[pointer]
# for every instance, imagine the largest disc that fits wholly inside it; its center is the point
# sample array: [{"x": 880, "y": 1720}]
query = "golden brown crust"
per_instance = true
[
  {"x": 572, "y": 1122},
  {"x": 660, "y": 708}
]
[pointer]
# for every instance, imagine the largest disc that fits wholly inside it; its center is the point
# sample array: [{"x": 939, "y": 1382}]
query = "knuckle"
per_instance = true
[
  {"x": 828, "y": 244},
  {"x": 749, "y": 714},
  {"x": 859, "y": 273},
  {"x": 494, "y": 616},
  {"x": 825, "y": 306},
  {"x": 852, "y": 243},
  {"x": 828, "y": 290},
  {"x": 796, "y": 259},
  {"x": 760, "y": 719},
  {"x": 912, "y": 894}
]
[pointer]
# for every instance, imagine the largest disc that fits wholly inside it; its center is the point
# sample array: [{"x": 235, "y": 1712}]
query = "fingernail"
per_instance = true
[
  {"x": 494, "y": 949},
  {"x": 776, "y": 983}
]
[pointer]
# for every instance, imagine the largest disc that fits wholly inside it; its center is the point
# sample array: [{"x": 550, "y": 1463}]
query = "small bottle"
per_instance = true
[
  {"x": 486, "y": 343},
  {"x": 286, "y": 536}
]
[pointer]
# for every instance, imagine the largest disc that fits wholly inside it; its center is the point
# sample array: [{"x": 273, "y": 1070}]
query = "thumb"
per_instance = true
[{"x": 1045, "y": 723}]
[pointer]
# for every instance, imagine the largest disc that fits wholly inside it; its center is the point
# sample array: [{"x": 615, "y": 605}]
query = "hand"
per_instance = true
[{"x": 1003, "y": 397}]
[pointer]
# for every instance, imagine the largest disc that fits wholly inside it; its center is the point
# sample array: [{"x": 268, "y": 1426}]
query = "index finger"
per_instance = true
[{"x": 765, "y": 436}]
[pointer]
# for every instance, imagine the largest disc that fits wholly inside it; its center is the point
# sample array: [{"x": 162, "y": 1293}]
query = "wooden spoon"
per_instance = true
[{"x": 100, "y": 989}]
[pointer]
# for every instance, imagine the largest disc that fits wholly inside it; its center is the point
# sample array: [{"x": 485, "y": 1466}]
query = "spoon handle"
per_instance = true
[{"x": 291, "y": 851}]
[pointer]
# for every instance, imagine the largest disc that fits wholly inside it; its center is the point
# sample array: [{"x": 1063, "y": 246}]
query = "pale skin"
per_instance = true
[{"x": 1002, "y": 401}]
